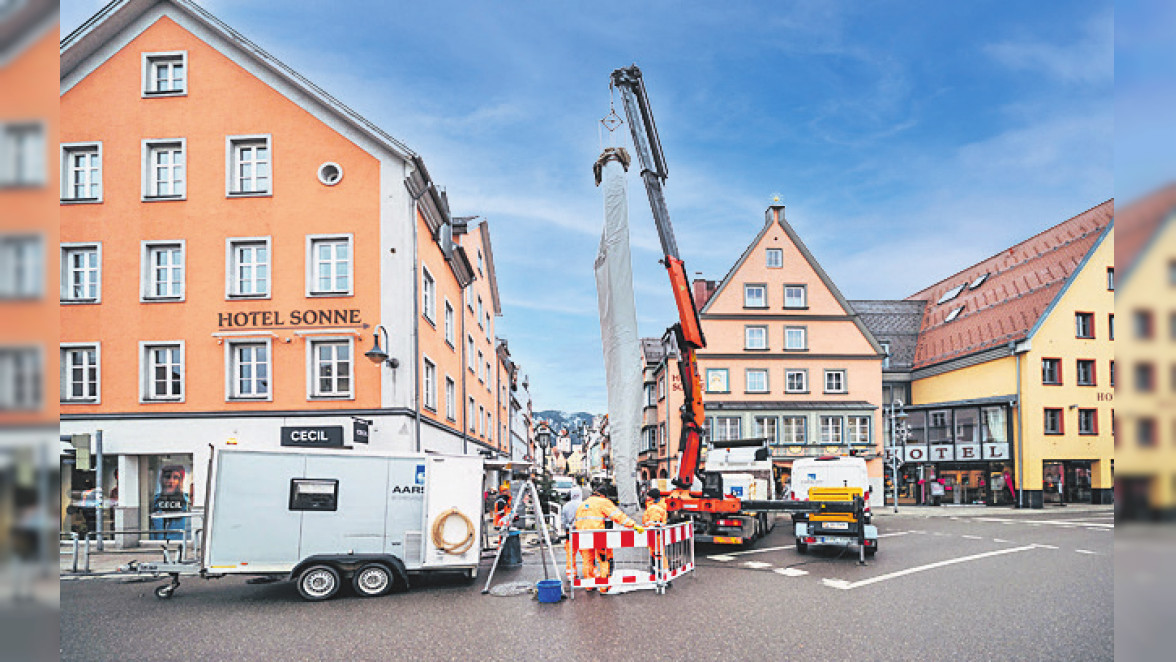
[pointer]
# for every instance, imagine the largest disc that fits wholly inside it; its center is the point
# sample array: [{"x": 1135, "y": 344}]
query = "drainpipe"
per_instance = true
[
  {"x": 416, "y": 329},
  {"x": 1020, "y": 430},
  {"x": 465, "y": 362}
]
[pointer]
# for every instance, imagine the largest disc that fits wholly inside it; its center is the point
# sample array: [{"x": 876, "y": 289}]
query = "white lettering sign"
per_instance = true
[
  {"x": 965, "y": 452},
  {"x": 996, "y": 451},
  {"x": 916, "y": 453}
]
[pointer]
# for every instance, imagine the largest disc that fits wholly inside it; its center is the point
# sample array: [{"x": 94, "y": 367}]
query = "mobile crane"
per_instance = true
[{"x": 843, "y": 509}]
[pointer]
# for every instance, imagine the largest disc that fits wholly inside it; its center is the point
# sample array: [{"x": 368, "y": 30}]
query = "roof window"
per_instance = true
[
  {"x": 951, "y": 294},
  {"x": 953, "y": 314},
  {"x": 979, "y": 281}
]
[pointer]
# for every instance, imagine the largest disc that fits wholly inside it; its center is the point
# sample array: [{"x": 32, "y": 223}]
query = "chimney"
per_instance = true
[
  {"x": 775, "y": 212},
  {"x": 702, "y": 290}
]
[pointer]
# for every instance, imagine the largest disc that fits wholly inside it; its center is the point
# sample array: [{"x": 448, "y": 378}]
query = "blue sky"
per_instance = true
[{"x": 907, "y": 139}]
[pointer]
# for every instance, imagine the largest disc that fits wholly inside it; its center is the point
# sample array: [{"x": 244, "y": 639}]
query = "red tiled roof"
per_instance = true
[
  {"x": 1138, "y": 221},
  {"x": 1021, "y": 283}
]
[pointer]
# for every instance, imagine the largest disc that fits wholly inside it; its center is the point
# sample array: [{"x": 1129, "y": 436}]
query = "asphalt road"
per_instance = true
[{"x": 998, "y": 585}]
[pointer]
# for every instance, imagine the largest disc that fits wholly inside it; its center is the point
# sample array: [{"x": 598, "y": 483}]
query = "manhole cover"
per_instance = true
[{"x": 512, "y": 588}]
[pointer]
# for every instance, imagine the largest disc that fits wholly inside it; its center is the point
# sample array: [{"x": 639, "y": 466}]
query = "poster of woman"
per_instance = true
[{"x": 169, "y": 499}]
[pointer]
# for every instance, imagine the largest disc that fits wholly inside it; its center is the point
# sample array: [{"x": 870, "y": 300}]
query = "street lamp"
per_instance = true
[
  {"x": 377, "y": 354},
  {"x": 544, "y": 438},
  {"x": 897, "y": 418}
]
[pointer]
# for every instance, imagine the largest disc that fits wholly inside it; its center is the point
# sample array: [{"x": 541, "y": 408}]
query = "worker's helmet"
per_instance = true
[
  {"x": 504, "y": 488},
  {"x": 653, "y": 493},
  {"x": 606, "y": 490}
]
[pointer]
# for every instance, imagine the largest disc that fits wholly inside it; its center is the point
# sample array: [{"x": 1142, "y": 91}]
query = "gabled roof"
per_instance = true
[
  {"x": 1002, "y": 299},
  {"x": 24, "y": 25},
  {"x": 775, "y": 214},
  {"x": 120, "y": 21},
  {"x": 1136, "y": 226}
]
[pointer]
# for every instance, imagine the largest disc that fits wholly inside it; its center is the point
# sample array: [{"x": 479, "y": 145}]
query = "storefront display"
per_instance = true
[{"x": 169, "y": 479}]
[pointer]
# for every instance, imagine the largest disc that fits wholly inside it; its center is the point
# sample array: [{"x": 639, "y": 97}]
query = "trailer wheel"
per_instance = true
[
  {"x": 871, "y": 551},
  {"x": 318, "y": 582},
  {"x": 801, "y": 548},
  {"x": 164, "y": 592},
  {"x": 372, "y": 580}
]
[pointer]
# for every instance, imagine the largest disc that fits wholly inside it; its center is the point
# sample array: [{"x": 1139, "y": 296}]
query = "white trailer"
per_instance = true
[
  {"x": 746, "y": 469},
  {"x": 323, "y": 517}
]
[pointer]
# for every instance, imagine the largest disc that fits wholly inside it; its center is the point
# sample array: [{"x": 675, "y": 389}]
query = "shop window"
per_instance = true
[{"x": 170, "y": 484}]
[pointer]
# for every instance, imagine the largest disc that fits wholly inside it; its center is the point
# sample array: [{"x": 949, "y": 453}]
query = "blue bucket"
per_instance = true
[{"x": 550, "y": 590}]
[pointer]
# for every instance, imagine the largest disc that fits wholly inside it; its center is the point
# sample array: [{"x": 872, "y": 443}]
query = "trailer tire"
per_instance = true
[
  {"x": 318, "y": 582},
  {"x": 801, "y": 548},
  {"x": 871, "y": 551},
  {"x": 372, "y": 580},
  {"x": 164, "y": 592}
]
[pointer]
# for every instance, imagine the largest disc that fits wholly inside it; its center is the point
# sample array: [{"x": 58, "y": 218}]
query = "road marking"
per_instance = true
[
  {"x": 999, "y": 540},
  {"x": 895, "y": 533},
  {"x": 1085, "y": 551},
  {"x": 790, "y": 572},
  {"x": 971, "y": 537},
  {"x": 1044, "y": 546},
  {"x": 757, "y": 565},
  {"x": 721, "y": 557},
  {"x": 846, "y": 585},
  {"x": 730, "y": 556},
  {"x": 1039, "y": 522}
]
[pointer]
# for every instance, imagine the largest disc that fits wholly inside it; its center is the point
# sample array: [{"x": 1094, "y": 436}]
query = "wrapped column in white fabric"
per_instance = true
[{"x": 618, "y": 327}]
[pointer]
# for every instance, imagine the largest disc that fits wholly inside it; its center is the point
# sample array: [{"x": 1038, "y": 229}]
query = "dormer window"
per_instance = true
[
  {"x": 951, "y": 294},
  {"x": 953, "y": 314},
  {"x": 979, "y": 281}
]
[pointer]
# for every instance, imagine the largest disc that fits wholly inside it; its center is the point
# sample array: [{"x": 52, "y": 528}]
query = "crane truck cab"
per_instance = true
[
  {"x": 741, "y": 468},
  {"x": 829, "y": 471}
]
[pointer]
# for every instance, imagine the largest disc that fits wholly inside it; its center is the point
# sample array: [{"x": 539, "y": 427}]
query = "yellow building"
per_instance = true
[
  {"x": 1012, "y": 379},
  {"x": 1145, "y": 485}
]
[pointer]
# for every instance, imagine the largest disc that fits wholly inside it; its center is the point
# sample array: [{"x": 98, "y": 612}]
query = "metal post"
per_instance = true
[
  {"x": 86, "y": 550},
  {"x": 98, "y": 500},
  {"x": 74, "y": 544}
]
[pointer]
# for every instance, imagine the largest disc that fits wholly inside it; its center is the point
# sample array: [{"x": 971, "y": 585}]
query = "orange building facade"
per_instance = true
[{"x": 233, "y": 241}]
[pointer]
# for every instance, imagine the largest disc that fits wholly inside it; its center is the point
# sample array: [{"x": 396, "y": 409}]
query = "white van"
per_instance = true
[{"x": 829, "y": 471}]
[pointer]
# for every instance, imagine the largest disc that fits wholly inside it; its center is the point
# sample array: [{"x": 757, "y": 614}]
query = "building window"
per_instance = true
[
  {"x": 248, "y": 167},
  {"x": 330, "y": 265},
  {"x": 952, "y": 293},
  {"x": 468, "y": 293},
  {"x": 1145, "y": 432},
  {"x": 726, "y": 428},
  {"x": 757, "y": 380},
  {"x": 859, "y": 429},
  {"x": 1053, "y": 421},
  {"x": 716, "y": 380},
  {"x": 450, "y": 398},
  {"x": 165, "y": 74},
  {"x": 163, "y": 271},
  {"x": 796, "y": 381},
  {"x": 22, "y": 263},
  {"x": 1111, "y": 374},
  {"x": 755, "y": 337},
  {"x": 774, "y": 258},
  {"x": 764, "y": 427},
  {"x": 470, "y": 353},
  {"x": 661, "y": 387},
  {"x": 22, "y": 154},
  {"x": 489, "y": 375},
  {"x": 831, "y": 429},
  {"x": 481, "y": 261},
  {"x": 1087, "y": 421},
  {"x": 1143, "y": 325},
  {"x": 481, "y": 359},
  {"x": 163, "y": 371},
  {"x": 1111, "y": 327},
  {"x": 794, "y": 430},
  {"x": 489, "y": 425},
  {"x": 1111, "y": 279},
  {"x": 755, "y": 296},
  {"x": 249, "y": 373},
  {"x": 886, "y": 351},
  {"x": 481, "y": 412},
  {"x": 953, "y": 314},
  {"x": 1051, "y": 371},
  {"x": 163, "y": 169},
  {"x": 487, "y": 326},
  {"x": 1145, "y": 377},
  {"x": 449, "y": 324},
  {"x": 835, "y": 381},
  {"x": 428, "y": 295},
  {"x": 430, "y": 386},
  {"x": 1084, "y": 325},
  {"x": 481, "y": 310},
  {"x": 795, "y": 296},
  {"x": 81, "y": 172},
  {"x": 249, "y": 262},
  {"x": 1086, "y": 376},
  {"x": 650, "y": 394},
  {"x": 331, "y": 368},
  {"x": 795, "y": 338},
  {"x": 472, "y": 416},
  {"x": 21, "y": 379},
  {"x": 81, "y": 273},
  {"x": 79, "y": 373}
]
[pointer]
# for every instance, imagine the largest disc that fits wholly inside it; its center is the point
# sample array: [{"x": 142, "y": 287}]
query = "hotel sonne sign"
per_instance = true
[{"x": 311, "y": 317}]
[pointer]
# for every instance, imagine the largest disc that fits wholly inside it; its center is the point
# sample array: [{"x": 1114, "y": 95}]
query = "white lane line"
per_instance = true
[
  {"x": 999, "y": 540},
  {"x": 895, "y": 533},
  {"x": 1085, "y": 551},
  {"x": 971, "y": 537},
  {"x": 757, "y": 565},
  {"x": 790, "y": 572},
  {"x": 1045, "y": 546},
  {"x": 730, "y": 556},
  {"x": 846, "y": 585},
  {"x": 1038, "y": 522}
]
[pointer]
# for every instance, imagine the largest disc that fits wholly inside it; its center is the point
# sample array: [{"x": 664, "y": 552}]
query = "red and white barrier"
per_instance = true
[{"x": 678, "y": 538}]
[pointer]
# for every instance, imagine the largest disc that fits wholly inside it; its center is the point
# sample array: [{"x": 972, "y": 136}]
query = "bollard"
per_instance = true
[
  {"x": 74, "y": 544},
  {"x": 86, "y": 550}
]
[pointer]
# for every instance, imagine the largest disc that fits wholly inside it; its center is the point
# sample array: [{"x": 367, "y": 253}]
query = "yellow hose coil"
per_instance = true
[{"x": 439, "y": 540}]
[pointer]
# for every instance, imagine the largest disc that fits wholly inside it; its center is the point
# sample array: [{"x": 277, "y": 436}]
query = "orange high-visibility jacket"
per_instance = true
[
  {"x": 596, "y": 510},
  {"x": 655, "y": 514}
]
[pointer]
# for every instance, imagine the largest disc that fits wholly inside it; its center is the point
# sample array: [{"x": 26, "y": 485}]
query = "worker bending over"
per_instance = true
[
  {"x": 591, "y": 516},
  {"x": 568, "y": 515},
  {"x": 655, "y": 515}
]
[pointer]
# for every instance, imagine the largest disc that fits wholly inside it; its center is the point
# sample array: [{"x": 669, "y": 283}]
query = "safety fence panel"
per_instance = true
[{"x": 671, "y": 554}]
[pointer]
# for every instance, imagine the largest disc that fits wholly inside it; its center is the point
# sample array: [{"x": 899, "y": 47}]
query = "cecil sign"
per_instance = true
[{"x": 319, "y": 436}]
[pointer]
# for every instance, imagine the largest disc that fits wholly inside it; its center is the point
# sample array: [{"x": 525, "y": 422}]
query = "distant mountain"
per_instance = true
[{"x": 565, "y": 420}]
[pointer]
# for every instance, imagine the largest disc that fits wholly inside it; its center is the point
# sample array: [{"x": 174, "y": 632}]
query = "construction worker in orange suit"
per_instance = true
[
  {"x": 502, "y": 506},
  {"x": 655, "y": 515},
  {"x": 591, "y": 516}
]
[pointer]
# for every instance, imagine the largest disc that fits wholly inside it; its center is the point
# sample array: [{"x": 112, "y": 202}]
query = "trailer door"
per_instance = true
[
  {"x": 252, "y": 528},
  {"x": 453, "y": 504}
]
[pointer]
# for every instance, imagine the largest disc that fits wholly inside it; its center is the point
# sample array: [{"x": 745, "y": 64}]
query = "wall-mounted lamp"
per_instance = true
[{"x": 377, "y": 353}]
